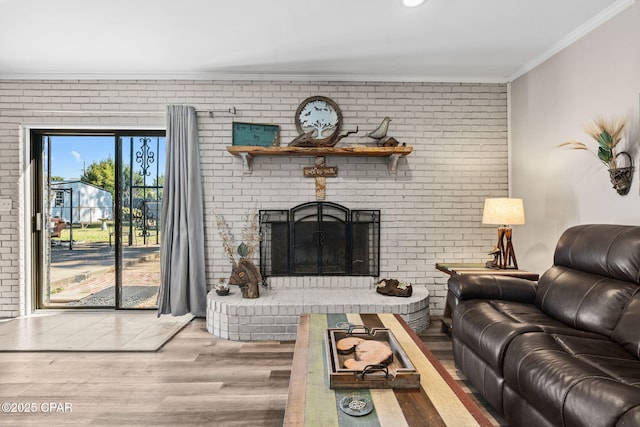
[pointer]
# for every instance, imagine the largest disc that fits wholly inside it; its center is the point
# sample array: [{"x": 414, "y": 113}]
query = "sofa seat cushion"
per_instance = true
[
  {"x": 487, "y": 326},
  {"x": 607, "y": 356},
  {"x": 562, "y": 386},
  {"x": 486, "y": 330},
  {"x": 532, "y": 315}
]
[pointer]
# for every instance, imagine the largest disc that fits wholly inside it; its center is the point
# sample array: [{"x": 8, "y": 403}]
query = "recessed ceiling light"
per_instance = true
[{"x": 412, "y": 3}]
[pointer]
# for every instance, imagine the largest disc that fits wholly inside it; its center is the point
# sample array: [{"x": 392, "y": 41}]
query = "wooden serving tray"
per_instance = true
[{"x": 399, "y": 374}]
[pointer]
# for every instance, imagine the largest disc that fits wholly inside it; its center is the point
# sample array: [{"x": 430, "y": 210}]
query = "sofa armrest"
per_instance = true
[{"x": 472, "y": 286}]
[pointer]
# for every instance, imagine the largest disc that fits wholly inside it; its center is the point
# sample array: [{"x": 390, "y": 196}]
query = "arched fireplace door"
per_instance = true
[{"x": 320, "y": 238}]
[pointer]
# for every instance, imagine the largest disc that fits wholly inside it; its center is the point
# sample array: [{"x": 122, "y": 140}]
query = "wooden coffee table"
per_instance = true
[{"x": 439, "y": 402}]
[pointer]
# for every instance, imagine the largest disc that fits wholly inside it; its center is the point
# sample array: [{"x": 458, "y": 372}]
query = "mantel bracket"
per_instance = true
[
  {"x": 393, "y": 162},
  {"x": 247, "y": 163}
]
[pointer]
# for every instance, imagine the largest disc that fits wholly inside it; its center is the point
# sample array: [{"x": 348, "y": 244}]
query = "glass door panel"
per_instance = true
[
  {"x": 141, "y": 179},
  {"x": 79, "y": 186}
]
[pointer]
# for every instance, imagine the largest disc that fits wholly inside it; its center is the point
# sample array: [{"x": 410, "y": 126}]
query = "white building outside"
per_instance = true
[{"x": 80, "y": 202}]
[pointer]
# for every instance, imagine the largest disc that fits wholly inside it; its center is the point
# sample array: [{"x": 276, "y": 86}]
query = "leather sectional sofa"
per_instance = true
[{"x": 563, "y": 351}]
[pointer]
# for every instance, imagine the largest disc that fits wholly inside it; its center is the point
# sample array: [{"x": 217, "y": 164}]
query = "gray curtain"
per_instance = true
[{"x": 182, "y": 283}]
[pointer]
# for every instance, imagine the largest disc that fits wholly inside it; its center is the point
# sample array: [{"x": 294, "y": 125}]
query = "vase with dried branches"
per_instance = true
[
  {"x": 608, "y": 134},
  {"x": 244, "y": 272}
]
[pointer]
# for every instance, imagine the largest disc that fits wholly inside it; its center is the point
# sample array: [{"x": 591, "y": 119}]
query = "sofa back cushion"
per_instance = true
[
  {"x": 582, "y": 300},
  {"x": 627, "y": 331},
  {"x": 602, "y": 249},
  {"x": 596, "y": 271}
]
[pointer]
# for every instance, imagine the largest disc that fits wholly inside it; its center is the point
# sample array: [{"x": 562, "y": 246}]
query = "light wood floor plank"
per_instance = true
[{"x": 194, "y": 380}]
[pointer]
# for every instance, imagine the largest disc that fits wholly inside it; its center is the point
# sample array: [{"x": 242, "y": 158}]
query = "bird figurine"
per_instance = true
[{"x": 381, "y": 131}]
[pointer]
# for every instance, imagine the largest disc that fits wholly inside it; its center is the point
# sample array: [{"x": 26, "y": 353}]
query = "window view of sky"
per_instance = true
[{"x": 70, "y": 155}]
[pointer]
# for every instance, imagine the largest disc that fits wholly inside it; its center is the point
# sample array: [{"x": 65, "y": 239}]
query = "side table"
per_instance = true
[{"x": 476, "y": 268}]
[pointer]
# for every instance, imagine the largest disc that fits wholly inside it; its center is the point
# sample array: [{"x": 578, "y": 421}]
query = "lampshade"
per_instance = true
[{"x": 503, "y": 211}]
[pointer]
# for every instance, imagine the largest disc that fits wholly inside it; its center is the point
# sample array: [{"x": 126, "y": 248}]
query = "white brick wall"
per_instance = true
[{"x": 431, "y": 210}]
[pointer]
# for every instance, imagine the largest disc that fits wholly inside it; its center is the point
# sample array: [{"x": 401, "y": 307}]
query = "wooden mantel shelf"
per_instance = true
[{"x": 248, "y": 152}]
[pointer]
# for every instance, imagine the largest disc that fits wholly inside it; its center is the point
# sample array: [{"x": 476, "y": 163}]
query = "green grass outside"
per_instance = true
[{"x": 93, "y": 233}]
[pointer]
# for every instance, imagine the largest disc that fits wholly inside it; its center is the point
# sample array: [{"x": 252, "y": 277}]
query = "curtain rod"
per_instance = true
[{"x": 231, "y": 111}]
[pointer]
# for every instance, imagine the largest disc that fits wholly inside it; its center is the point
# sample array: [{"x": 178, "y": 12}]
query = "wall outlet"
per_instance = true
[{"x": 5, "y": 204}]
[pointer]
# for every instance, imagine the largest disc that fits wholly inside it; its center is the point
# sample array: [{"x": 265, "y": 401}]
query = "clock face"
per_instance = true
[{"x": 320, "y": 117}]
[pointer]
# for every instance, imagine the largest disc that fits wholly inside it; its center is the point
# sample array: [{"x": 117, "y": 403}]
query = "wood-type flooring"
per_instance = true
[{"x": 194, "y": 380}]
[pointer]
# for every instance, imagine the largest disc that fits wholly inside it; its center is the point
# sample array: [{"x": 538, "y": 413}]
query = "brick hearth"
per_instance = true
[{"x": 274, "y": 316}]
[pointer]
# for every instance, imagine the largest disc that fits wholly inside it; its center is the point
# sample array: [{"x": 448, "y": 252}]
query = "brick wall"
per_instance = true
[{"x": 431, "y": 209}]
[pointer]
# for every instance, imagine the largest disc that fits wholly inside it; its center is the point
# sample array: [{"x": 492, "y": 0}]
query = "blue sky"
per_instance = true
[{"x": 71, "y": 154}]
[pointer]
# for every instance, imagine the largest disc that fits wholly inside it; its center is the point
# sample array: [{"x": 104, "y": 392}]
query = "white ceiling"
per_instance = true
[{"x": 442, "y": 40}]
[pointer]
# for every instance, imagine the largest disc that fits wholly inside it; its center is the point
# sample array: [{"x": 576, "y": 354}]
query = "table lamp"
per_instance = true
[{"x": 504, "y": 211}]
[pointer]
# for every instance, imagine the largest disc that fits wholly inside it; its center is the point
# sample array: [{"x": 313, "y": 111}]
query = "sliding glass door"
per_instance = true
[{"x": 96, "y": 199}]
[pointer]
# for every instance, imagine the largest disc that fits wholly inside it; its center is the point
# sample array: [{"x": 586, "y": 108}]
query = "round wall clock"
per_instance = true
[{"x": 318, "y": 119}]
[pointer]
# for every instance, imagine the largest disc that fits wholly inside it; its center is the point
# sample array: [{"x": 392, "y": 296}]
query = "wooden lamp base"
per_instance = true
[{"x": 506, "y": 256}]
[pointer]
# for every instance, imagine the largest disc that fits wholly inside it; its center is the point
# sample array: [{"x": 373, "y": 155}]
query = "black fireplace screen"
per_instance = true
[{"x": 320, "y": 238}]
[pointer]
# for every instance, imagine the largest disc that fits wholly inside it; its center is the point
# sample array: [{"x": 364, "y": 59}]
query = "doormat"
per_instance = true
[
  {"x": 132, "y": 297},
  {"x": 81, "y": 331}
]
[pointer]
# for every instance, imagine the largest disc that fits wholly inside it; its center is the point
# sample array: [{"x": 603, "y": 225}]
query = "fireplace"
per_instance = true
[{"x": 320, "y": 239}]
